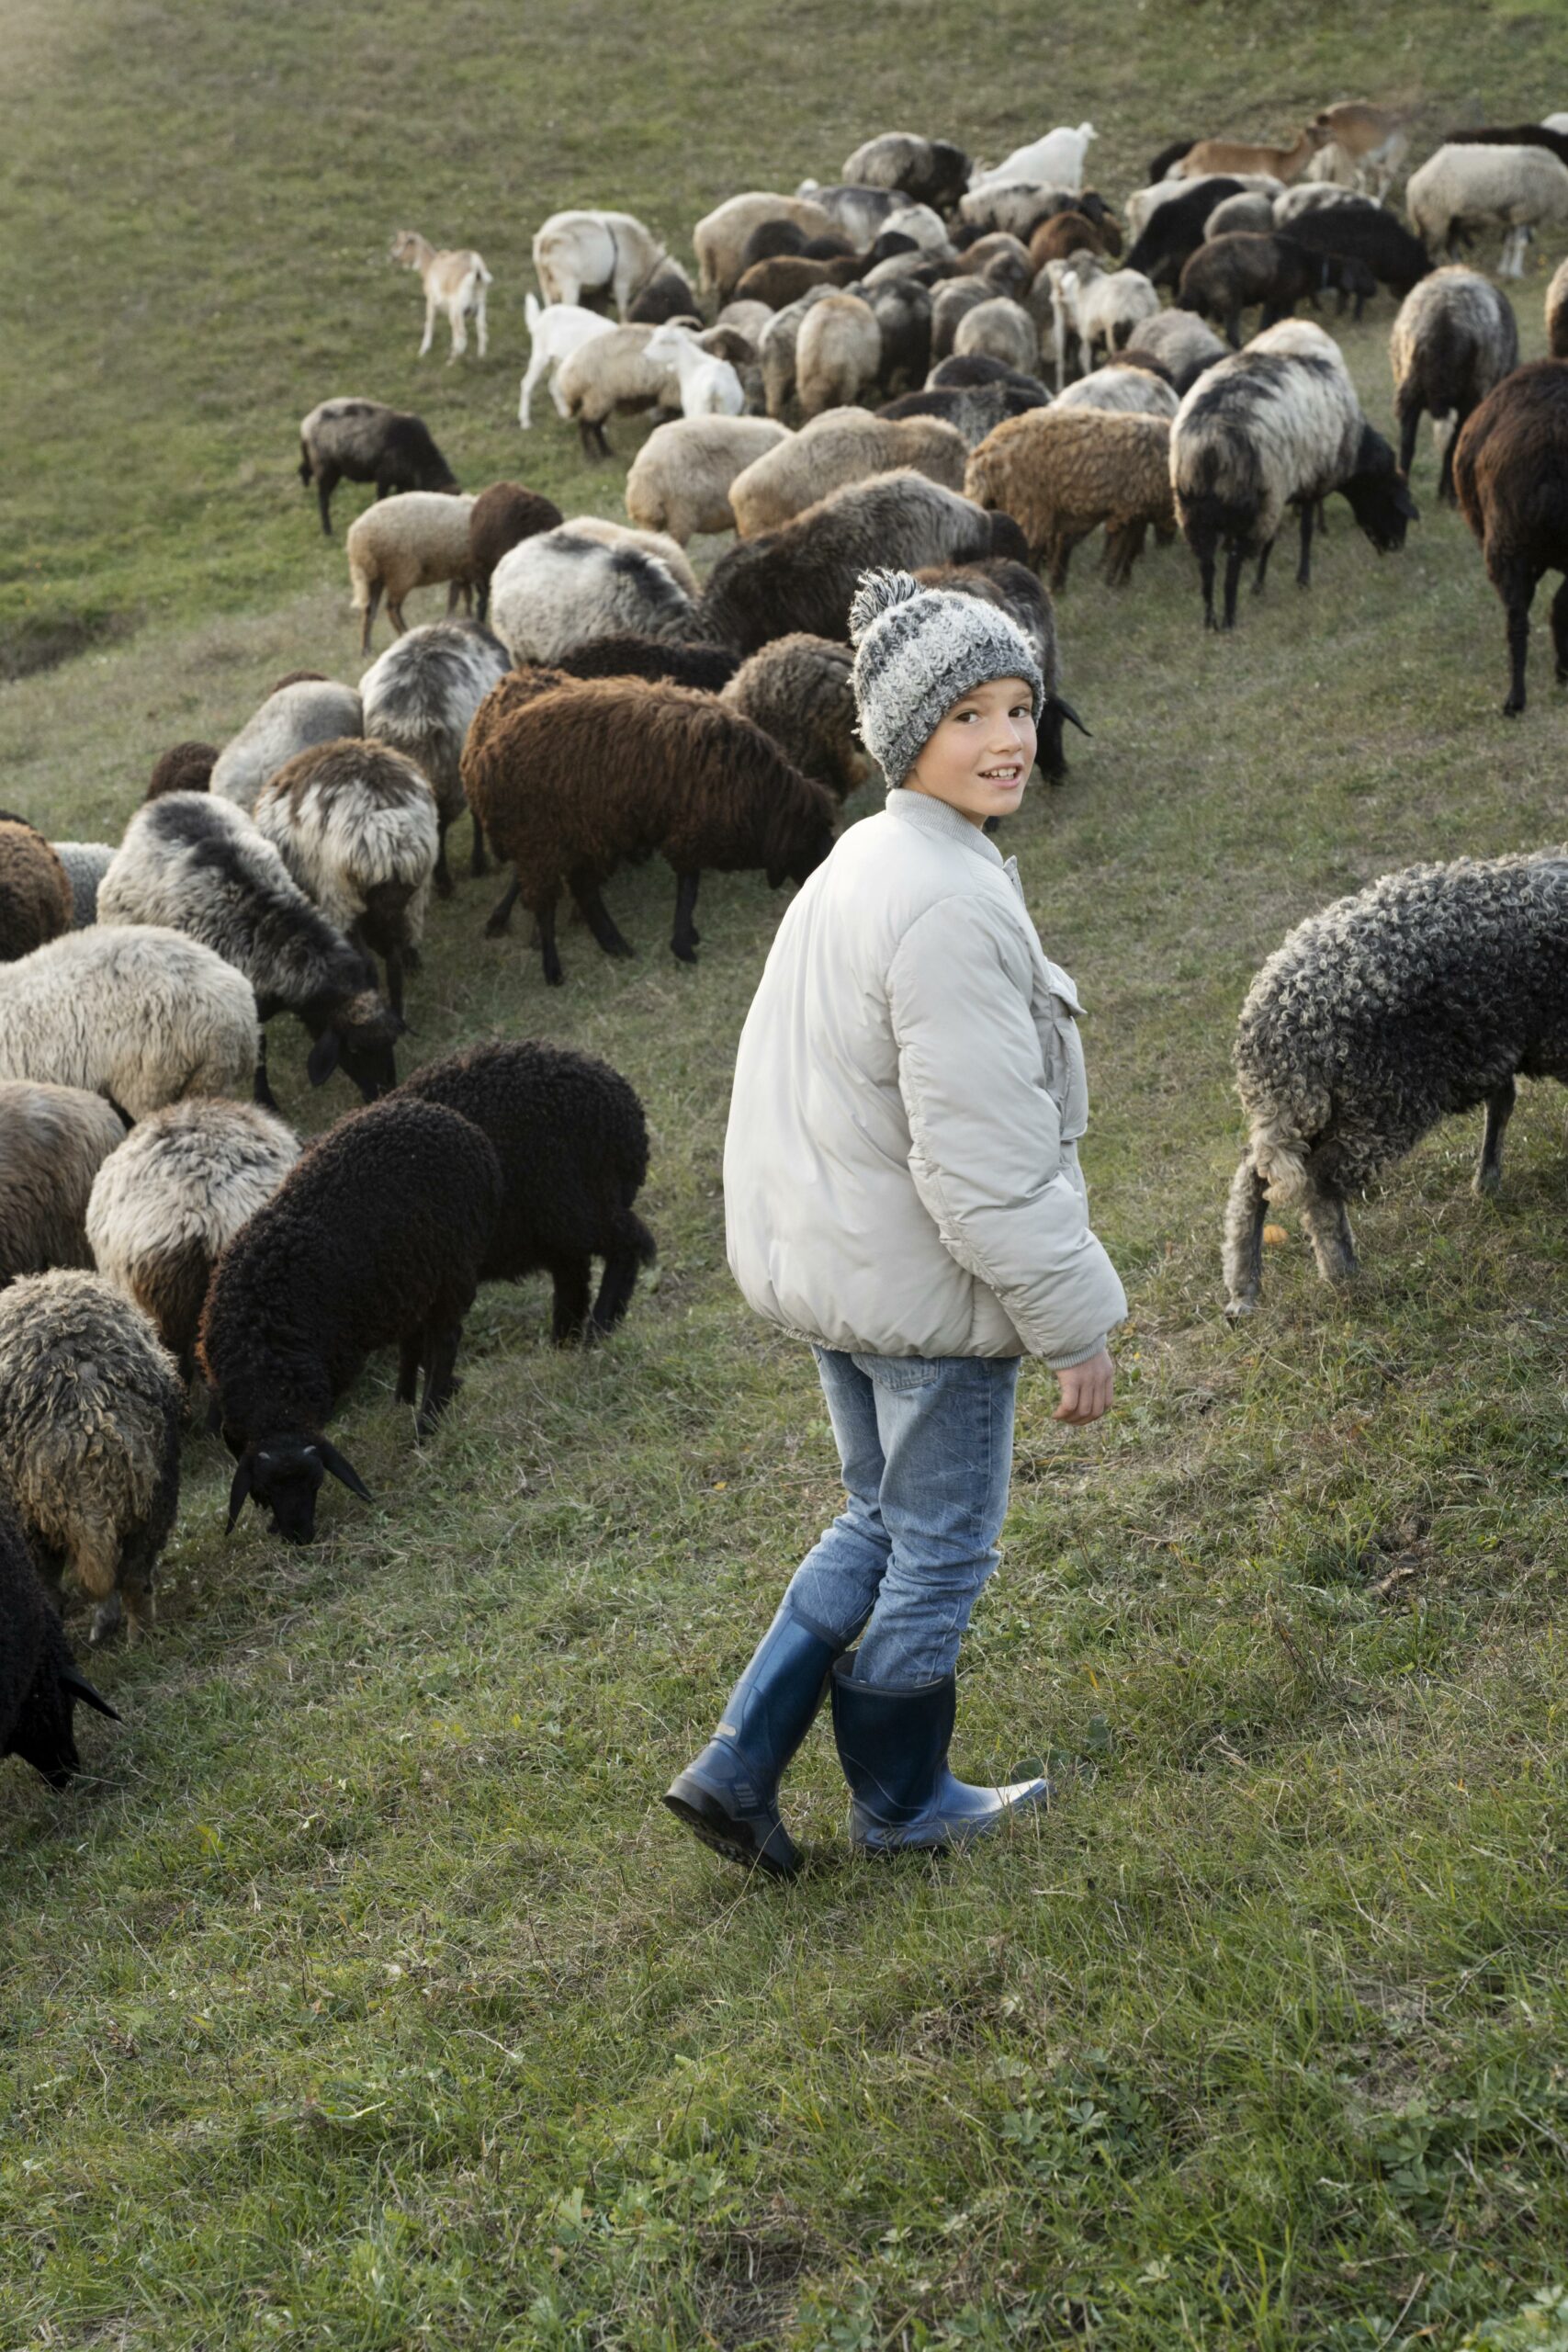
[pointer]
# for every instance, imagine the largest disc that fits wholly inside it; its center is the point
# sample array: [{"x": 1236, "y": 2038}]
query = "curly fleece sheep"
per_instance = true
[
  {"x": 420, "y": 698},
  {"x": 135, "y": 1012},
  {"x": 1062, "y": 473},
  {"x": 799, "y": 691},
  {"x": 40, "y": 1683}
]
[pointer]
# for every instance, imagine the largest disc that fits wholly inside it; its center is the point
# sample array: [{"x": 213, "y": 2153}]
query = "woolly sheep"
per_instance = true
[
  {"x": 707, "y": 667},
  {"x": 1231, "y": 273},
  {"x": 1293, "y": 203},
  {"x": 1063, "y": 473},
  {"x": 1001, "y": 329},
  {"x": 1055, "y": 161},
  {"x": 54, "y": 1139},
  {"x": 1066, "y": 233},
  {"x": 1454, "y": 338},
  {"x": 1168, "y": 223},
  {"x": 502, "y": 517},
  {"x": 783, "y": 279},
  {"x": 657, "y": 544},
  {"x": 411, "y": 541},
  {"x": 902, "y": 309},
  {"x": 289, "y": 720},
  {"x": 36, "y": 899},
  {"x": 667, "y": 295},
  {"x": 951, "y": 302},
  {"x": 358, "y": 440},
  {"x": 931, "y": 171},
  {"x": 85, "y": 864},
  {"x": 1557, "y": 312},
  {"x": 799, "y": 691},
  {"x": 1249, "y": 210},
  {"x": 1367, "y": 234},
  {"x": 374, "y": 1239},
  {"x": 1001, "y": 260},
  {"x": 840, "y": 447},
  {"x": 1427, "y": 993},
  {"x": 975, "y": 413},
  {"x": 1104, "y": 306},
  {"x": 838, "y": 353},
  {"x": 1518, "y": 187},
  {"x": 419, "y": 697},
  {"x": 1510, "y": 462},
  {"x": 142, "y": 1014},
  {"x": 719, "y": 238},
  {"x": 1126, "y": 391},
  {"x": 1182, "y": 344},
  {"x": 90, "y": 1412},
  {"x": 609, "y": 375},
  {"x": 777, "y": 350},
  {"x": 611, "y": 253},
  {"x": 709, "y": 387},
  {"x": 749, "y": 319},
  {"x": 556, "y": 330},
  {"x": 40, "y": 1683},
  {"x": 679, "y": 480},
  {"x": 181, "y": 1185},
  {"x": 562, "y": 588},
  {"x": 184, "y": 767}
]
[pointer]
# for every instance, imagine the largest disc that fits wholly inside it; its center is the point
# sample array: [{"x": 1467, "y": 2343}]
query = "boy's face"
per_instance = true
[{"x": 979, "y": 758}]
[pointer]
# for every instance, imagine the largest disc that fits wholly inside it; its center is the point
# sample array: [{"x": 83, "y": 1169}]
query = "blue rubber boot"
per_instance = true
[
  {"x": 728, "y": 1795},
  {"x": 893, "y": 1745}
]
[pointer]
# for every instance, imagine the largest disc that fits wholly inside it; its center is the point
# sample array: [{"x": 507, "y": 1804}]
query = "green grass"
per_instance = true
[{"x": 365, "y": 1996}]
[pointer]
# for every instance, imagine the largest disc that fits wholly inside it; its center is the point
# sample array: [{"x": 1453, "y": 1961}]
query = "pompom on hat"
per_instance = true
[{"x": 917, "y": 651}]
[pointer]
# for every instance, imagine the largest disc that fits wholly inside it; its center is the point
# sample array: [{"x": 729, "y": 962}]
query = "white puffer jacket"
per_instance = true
[{"x": 901, "y": 1172}]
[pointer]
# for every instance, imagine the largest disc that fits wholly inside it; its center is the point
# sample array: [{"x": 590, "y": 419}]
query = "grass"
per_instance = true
[{"x": 364, "y": 1996}]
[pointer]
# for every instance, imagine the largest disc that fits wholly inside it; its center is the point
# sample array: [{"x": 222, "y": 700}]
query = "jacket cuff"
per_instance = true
[{"x": 1065, "y": 1363}]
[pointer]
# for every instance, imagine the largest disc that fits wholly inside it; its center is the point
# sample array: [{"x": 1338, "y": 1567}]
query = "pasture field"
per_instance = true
[{"x": 363, "y": 1995}]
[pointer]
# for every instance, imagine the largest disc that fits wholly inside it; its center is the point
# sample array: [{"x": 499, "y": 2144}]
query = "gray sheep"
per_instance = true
[
  {"x": 420, "y": 697},
  {"x": 54, "y": 1139},
  {"x": 357, "y": 440},
  {"x": 291, "y": 720},
  {"x": 562, "y": 588},
  {"x": 1456, "y": 336},
  {"x": 799, "y": 691}
]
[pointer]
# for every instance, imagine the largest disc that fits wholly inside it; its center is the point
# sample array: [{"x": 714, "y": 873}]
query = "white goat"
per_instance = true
[
  {"x": 454, "y": 282},
  {"x": 595, "y": 253},
  {"x": 709, "y": 387},
  {"x": 1055, "y": 161},
  {"x": 557, "y": 329}
]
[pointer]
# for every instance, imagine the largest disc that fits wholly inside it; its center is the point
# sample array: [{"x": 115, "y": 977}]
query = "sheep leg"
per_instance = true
[
  {"x": 477, "y": 862},
  {"x": 1515, "y": 587},
  {"x": 1233, "y": 562},
  {"x": 372, "y": 607},
  {"x": 394, "y": 980},
  {"x": 597, "y": 916},
  {"x": 683, "y": 939},
  {"x": 480, "y": 325},
  {"x": 1409, "y": 421},
  {"x": 441, "y": 1383},
  {"x": 1560, "y": 631},
  {"x": 458, "y": 320},
  {"x": 1206, "y": 575},
  {"x": 395, "y": 615},
  {"x": 429, "y": 325},
  {"x": 615, "y": 1287},
  {"x": 569, "y": 1312},
  {"x": 1499, "y": 1111},
  {"x": 441, "y": 877},
  {"x": 1328, "y": 1229},
  {"x": 327, "y": 482},
  {"x": 262, "y": 1091},
  {"x": 1243, "y": 1249},
  {"x": 501, "y": 913},
  {"x": 535, "y": 369},
  {"x": 1449, "y": 429},
  {"x": 1304, "y": 563},
  {"x": 554, "y": 974},
  {"x": 1261, "y": 574},
  {"x": 407, "y": 1388}
]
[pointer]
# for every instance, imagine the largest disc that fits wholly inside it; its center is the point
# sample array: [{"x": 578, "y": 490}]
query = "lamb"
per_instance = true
[
  {"x": 1520, "y": 187},
  {"x": 1557, "y": 312},
  {"x": 501, "y": 517},
  {"x": 1055, "y": 161},
  {"x": 1122, "y": 391},
  {"x": 931, "y": 171},
  {"x": 596, "y": 771},
  {"x": 1373, "y": 139},
  {"x": 719, "y": 238},
  {"x": 562, "y": 588},
  {"x": 357, "y": 440},
  {"x": 556, "y": 330},
  {"x": 1001, "y": 329},
  {"x": 681, "y": 479},
  {"x": 407, "y": 542},
  {"x": 85, "y": 864},
  {"x": 193, "y": 864},
  {"x": 36, "y": 901},
  {"x": 663, "y": 550},
  {"x": 357, "y": 825},
  {"x": 420, "y": 698},
  {"x": 972, "y": 414},
  {"x": 1104, "y": 306},
  {"x": 1510, "y": 468},
  {"x": 610, "y": 254},
  {"x": 1428, "y": 993},
  {"x": 842, "y": 447},
  {"x": 709, "y": 668},
  {"x": 1454, "y": 338},
  {"x": 612, "y": 373},
  {"x": 455, "y": 284},
  {"x": 90, "y": 1412},
  {"x": 1229, "y": 274},
  {"x": 54, "y": 1140},
  {"x": 1365, "y": 233},
  {"x": 374, "y": 1239},
  {"x": 709, "y": 387},
  {"x": 40, "y": 1683},
  {"x": 141, "y": 1015},
  {"x": 571, "y": 1139},
  {"x": 1179, "y": 342},
  {"x": 798, "y": 690},
  {"x": 181, "y": 1185},
  {"x": 289, "y": 720},
  {"x": 1061, "y": 474},
  {"x": 838, "y": 353},
  {"x": 1270, "y": 428},
  {"x": 1284, "y": 164},
  {"x": 802, "y": 576},
  {"x": 667, "y": 295},
  {"x": 184, "y": 767}
]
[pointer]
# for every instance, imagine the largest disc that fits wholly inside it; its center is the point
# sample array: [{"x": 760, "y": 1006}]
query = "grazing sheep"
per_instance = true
[
  {"x": 585, "y": 776},
  {"x": 798, "y": 690},
  {"x": 951, "y": 302},
  {"x": 1002, "y": 262},
  {"x": 501, "y": 517},
  {"x": 667, "y": 295},
  {"x": 1068, "y": 233},
  {"x": 1249, "y": 210},
  {"x": 90, "y": 1411},
  {"x": 518, "y": 688},
  {"x": 355, "y": 440},
  {"x": 455, "y": 284},
  {"x": 1182, "y": 344},
  {"x": 419, "y": 697},
  {"x": 1364, "y": 233},
  {"x": 777, "y": 350},
  {"x": 144, "y": 1016},
  {"x": 1426, "y": 993},
  {"x": 1459, "y": 187},
  {"x": 961, "y": 371},
  {"x": 1373, "y": 139},
  {"x": 1231, "y": 273},
  {"x": 411, "y": 541},
  {"x": 54, "y": 1139},
  {"x": 802, "y": 576},
  {"x": 374, "y": 1239},
  {"x": 785, "y": 277},
  {"x": 289, "y": 720},
  {"x": 865, "y": 214},
  {"x": 706, "y": 667},
  {"x": 36, "y": 901},
  {"x": 931, "y": 171},
  {"x": 556, "y": 330},
  {"x": 1102, "y": 306},
  {"x": 571, "y": 1139},
  {"x": 1269, "y": 428},
  {"x": 1292, "y": 204},
  {"x": 663, "y": 550},
  {"x": 1063, "y": 473},
  {"x": 902, "y": 308},
  {"x": 40, "y": 1683},
  {"x": 1454, "y": 338},
  {"x": 1173, "y": 228},
  {"x": 709, "y": 386},
  {"x": 772, "y": 238},
  {"x": 679, "y": 480},
  {"x": 840, "y": 446},
  {"x": 562, "y": 588},
  {"x": 974, "y": 412},
  {"x": 610, "y": 254},
  {"x": 196, "y": 865},
  {"x": 1122, "y": 391},
  {"x": 1510, "y": 468},
  {"x": 1283, "y": 163},
  {"x": 838, "y": 353},
  {"x": 1518, "y": 135},
  {"x": 1001, "y": 329},
  {"x": 1055, "y": 161},
  {"x": 749, "y": 319},
  {"x": 182, "y": 1184},
  {"x": 85, "y": 864},
  {"x": 611, "y": 375},
  {"x": 357, "y": 825},
  {"x": 184, "y": 767},
  {"x": 1557, "y": 312},
  {"x": 719, "y": 238}
]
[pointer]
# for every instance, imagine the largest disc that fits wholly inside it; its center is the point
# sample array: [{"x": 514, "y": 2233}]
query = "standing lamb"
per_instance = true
[
  {"x": 419, "y": 697},
  {"x": 36, "y": 899},
  {"x": 289, "y": 720},
  {"x": 1062, "y": 473},
  {"x": 455, "y": 284},
  {"x": 609, "y": 254},
  {"x": 843, "y": 446},
  {"x": 411, "y": 541},
  {"x": 54, "y": 1140},
  {"x": 1511, "y": 473},
  {"x": 1454, "y": 338},
  {"x": 501, "y": 518},
  {"x": 356, "y": 440},
  {"x": 563, "y": 588},
  {"x": 144, "y": 1016},
  {"x": 612, "y": 375},
  {"x": 1518, "y": 187},
  {"x": 40, "y": 1683},
  {"x": 679, "y": 481}
]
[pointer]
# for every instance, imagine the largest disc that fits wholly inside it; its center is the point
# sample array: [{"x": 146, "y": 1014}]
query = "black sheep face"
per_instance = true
[
  {"x": 1379, "y": 495},
  {"x": 283, "y": 1475},
  {"x": 43, "y": 1734},
  {"x": 361, "y": 1040}
]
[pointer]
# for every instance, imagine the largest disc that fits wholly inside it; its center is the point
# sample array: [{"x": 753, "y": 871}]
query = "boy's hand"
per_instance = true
[{"x": 1087, "y": 1390}]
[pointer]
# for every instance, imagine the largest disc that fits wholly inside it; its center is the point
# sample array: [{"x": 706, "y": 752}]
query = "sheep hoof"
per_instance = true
[
  {"x": 1487, "y": 1184},
  {"x": 1238, "y": 1309},
  {"x": 1512, "y": 709},
  {"x": 685, "y": 954},
  {"x": 105, "y": 1620},
  {"x": 498, "y": 926}
]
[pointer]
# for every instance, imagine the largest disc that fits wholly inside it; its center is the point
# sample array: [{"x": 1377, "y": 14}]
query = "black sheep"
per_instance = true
[
  {"x": 1230, "y": 273},
  {"x": 572, "y": 1142},
  {"x": 707, "y": 667},
  {"x": 973, "y": 411},
  {"x": 374, "y": 1239},
  {"x": 962, "y": 370},
  {"x": 667, "y": 295},
  {"x": 1367, "y": 233},
  {"x": 1174, "y": 230},
  {"x": 349, "y": 440},
  {"x": 40, "y": 1682},
  {"x": 1520, "y": 134}
]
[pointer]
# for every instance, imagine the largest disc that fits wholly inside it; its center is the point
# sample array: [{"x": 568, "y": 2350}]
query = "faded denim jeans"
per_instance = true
[{"x": 926, "y": 1446}]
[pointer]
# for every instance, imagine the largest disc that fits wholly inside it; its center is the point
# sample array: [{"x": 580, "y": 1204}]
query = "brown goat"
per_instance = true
[
  {"x": 35, "y": 890},
  {"x": 1510, "y": 470}
]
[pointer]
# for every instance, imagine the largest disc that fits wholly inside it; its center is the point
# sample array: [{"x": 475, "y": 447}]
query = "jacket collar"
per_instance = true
[{"x": 935, "y": 817}]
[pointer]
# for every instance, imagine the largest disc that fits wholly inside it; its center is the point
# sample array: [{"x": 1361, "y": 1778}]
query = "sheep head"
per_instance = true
[
  {"x": 360, "y": 1035},
  {"x": 43, "y": 1734},
  {"x": 283, "y": 1475}
]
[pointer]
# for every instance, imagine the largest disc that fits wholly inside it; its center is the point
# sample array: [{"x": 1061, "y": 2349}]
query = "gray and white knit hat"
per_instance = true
[{"x": 917, "y": 651}]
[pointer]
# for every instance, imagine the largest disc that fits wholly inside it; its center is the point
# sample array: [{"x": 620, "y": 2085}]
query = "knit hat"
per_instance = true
[{"x": 917, "y": 651}]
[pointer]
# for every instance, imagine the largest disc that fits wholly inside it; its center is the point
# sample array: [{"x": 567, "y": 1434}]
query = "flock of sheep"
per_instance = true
[{"x": 927, "y": 365}]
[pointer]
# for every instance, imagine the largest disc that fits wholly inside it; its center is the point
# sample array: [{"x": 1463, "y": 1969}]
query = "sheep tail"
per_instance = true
[{"x": 1280, "y": 1157}]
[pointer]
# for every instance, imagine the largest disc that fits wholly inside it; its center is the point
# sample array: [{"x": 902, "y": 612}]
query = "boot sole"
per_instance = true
[{"x": 722, "y": 1835}]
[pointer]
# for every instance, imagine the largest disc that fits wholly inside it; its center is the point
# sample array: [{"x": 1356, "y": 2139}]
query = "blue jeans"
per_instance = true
[{"x": 926, "y": 1446}]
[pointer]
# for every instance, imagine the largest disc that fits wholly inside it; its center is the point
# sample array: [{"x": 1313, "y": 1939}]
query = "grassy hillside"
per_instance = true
[{"x": 364, "y": 1996}]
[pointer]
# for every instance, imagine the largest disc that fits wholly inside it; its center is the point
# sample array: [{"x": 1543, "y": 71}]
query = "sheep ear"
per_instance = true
[
  {"x": 343, "y": 1469},
  {"x": 245, "y": 1478},
  {"x": 74, "y": 1680},
  {"x": 323, "y": 1057},
  {"x": 1058, "y": 702}
]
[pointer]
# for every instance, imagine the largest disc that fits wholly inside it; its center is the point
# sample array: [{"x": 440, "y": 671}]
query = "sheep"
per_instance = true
[
  {"x": 1122, "y": 391},
  {"x": 679, "y": 480},
  {"x": 410, "y": 541},
  {"x": 518, "y": 688},
  {"x": 1557, "y": 312},
  {"x": 1518, "y": 134},
  {"x": 802, "y": 576},
  {"x": 40, "y": 1683},
  {"x": 502, "y": 517},
  {"x": 1315, "y": 196},
  {"x": 798, "y": 690},
  {"x": 556, "y": 330},
  {"x": 357, "y": 825},
  {"x": 162, "y": 1207},
  {"x": 1063, "y": 475},
  {"x": 1454, "y": 338},
  {"x": 786, "y": 276},
  {"x": 719, "y": 238},
  {"x": 572, "y": 1140},
  {"x": 961, "y": 371},
  {"x": 289, "y": 720},
  {"x": 708, "y": 667},
  {"x": 1428, "y": 993},
  {"x": 562, "y": 588},
  {"x": 1366, "y": 233},
  {"x": 90, "y": 1412},
  {"x": 1179, "y": 342},
  {"x": 1521, "y": 187},
  {"x": 455, "y": 284},
  {"x": 1175, "y": 226},
  {"x": 1002, "y": 262},
  {"x": 973, "y": 412},
  {"x": 1272, "y": 427},
  {"x": 1001, "y": 329},
  {"x": 931, "y": 171},
  {"x": 141, "y": 1015},
  {"x": 579, "y": 779},
  {"x": 838, "y": 353},
  {"x": 36, "y": 901},
  {"x": 667, "y": 295},
  {"x": 1067, "y": 232},
  {"x": 709, "y": 387},
  {"x": 840, "y": 446},
  {"x": 772, "y": 237},
  {"x": 419, "y": 697},
  {"x": 374, "y": 1239},
  {"x": 777, "y": 352},
  {"x": 902, "y": 308},
  {"x": 663, "y": 550},
  {"x": 1283, "y": 164},
  {"x": 1228, "y": 274},
  {"x": 1248, "y": 210},
  {"x": 610, "y": 254},
  {"x": 951, "y": 302},
  {"x": 192, "y": 864},
  {"x": 862, "y": 214},
  {"x": 1373, "y": 139},
  {"x": 54, "y": 1139},
  {"x": 184, "y": 767},
  {"x": 357, "y": 440},
  {"x": 1510, "y": 465},
  {"x": 612, "y": 373},
  {"x": 749, "y": 319},
  {"x": 1103, "y": 305},
  {"x": 85, "y": 864},
  {"x": 1055, "y": 161}
]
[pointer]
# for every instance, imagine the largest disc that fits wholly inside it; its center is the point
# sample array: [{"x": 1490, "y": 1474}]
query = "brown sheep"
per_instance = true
[
  {"x": 838, "y": 353},
  {"x": 1002, "y": 260},
  {"x": 603, "y": 769},
  {"x": 36, "y": 904},
  {"x": 184, "y": 767},
  {"x": 798, "y": 690},
  {"x": 514, "y": 693},
  {"x": 499, "y": 517},
  {"x": 54, "y": 1139},
  {"x": 1509, "y": 466},
  {"x": 1067, "y": 232},
  {"x": 786, "y": 278},
  {"x": 1062, "y": 472}
]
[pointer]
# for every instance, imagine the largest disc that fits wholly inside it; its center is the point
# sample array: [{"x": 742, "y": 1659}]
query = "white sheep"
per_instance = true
[
  {"x": 709, "y": 387},
  {"x": 454, "y": 282},
  {"x": 414, "y": 540},
  {"x": 1001, "y": 329},
  {"x": 1144, "y": 202},
  {"x": 843, "y": 446},
  {"x": 680, "y": 480},
  {"x": 1517, "y": 187},
  {"x": 595, "y": 253},
  {"x": 657, "y": 544},
  {"x": 137, "y": 1013},
  {"x": 1124, "y": 391},
  {"x": 1102, "y": 306},
  {"x": 1251, "y": 210},
  {"x": 357, "y": 827},
  {"x": 314, "y": 710},
  {"x": 1055, "y": 161},
  {"x": 561, "y": 589},
  {"x": 557, "y": 329},
  {"x": 612, "y": 372}
]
